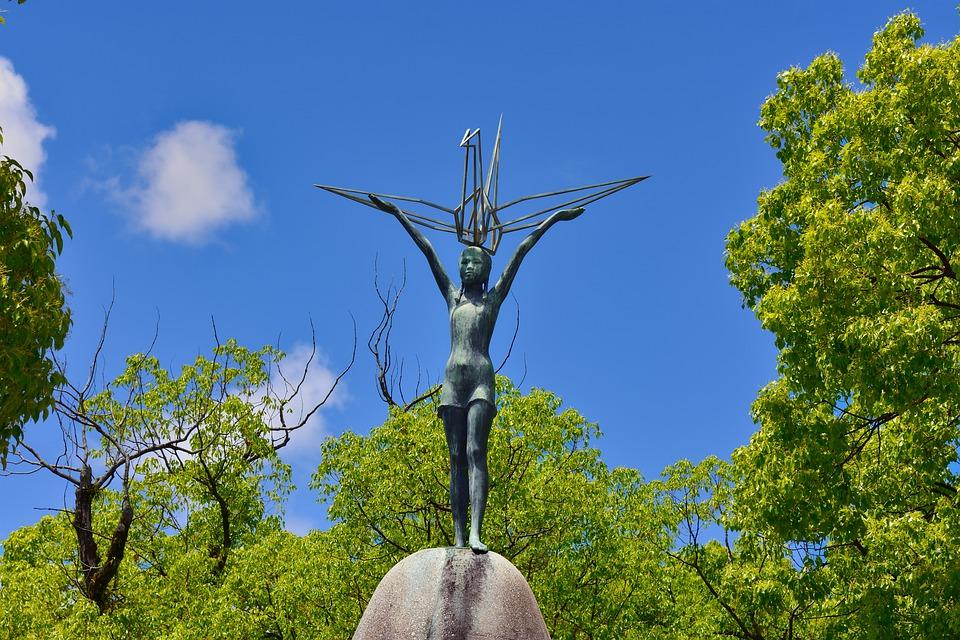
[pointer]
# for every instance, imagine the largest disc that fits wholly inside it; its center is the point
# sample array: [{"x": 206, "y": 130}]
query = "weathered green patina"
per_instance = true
[{"x": 468, "y": 397}]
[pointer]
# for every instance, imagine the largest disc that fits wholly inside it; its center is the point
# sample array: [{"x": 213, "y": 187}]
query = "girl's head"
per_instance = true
[{"x": 475, "y": 266}]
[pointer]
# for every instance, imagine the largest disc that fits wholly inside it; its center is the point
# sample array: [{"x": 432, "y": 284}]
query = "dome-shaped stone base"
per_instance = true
[{"x": 452, "y": 594}]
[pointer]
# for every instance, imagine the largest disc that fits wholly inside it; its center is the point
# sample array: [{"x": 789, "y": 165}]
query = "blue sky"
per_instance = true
[{"x": 182, "y": 144}]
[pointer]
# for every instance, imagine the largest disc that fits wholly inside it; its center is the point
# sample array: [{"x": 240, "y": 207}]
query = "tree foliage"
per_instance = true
[
  {"x": 33, "y": 316},
  {"x": 748, "y": 582},
  {"x": 850, "y": 263},
  {"x": 588, "y": 538},
  {"x": 154, "y": 453}
]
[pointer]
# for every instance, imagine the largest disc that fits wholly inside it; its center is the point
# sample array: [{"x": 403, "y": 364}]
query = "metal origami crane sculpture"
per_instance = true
[{"x": 477, "y": 220}]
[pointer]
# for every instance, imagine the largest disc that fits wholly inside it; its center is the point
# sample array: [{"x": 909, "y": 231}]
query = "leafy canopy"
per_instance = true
[
  {"x": 33, "y": 315},
  {"x": 851, "y": 262},
  {"x": 587, "y": 537}
]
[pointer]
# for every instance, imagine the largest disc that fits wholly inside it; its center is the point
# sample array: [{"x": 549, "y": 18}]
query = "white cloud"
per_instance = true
[
  {"x": 190, "y": 184},
  {"x": 23, "y": 135},
  {"x": 314, "y": 388}
]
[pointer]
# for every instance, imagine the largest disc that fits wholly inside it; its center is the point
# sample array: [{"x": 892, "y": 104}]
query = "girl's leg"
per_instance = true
[
  {"x": 479, "y": 419},
  {"x": 455, "y": 426}
]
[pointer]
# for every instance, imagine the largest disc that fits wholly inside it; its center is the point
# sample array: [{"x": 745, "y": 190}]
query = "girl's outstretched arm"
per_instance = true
[
  {"x": 443, "y": 280},
  {"x": 503, "y": 285}
]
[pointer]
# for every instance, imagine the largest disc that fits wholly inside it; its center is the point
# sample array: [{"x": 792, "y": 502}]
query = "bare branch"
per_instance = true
[
  {"x": 424, "y": 396},
  {"x": 379, "y": 341},
  {"x": 103, "y": 336},
  {"x": 516, "y": 330},
  {"x": 286, "y": 429}
]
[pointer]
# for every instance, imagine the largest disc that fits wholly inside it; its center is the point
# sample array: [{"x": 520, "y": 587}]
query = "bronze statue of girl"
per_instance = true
[{"x": 468, "y": 396}]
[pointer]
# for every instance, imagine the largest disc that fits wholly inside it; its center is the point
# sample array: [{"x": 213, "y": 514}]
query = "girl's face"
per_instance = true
[{"x": 474, "y": 266}]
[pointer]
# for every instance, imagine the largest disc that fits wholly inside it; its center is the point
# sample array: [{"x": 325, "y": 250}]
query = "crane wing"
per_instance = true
[{"x": 360, "y": 195}]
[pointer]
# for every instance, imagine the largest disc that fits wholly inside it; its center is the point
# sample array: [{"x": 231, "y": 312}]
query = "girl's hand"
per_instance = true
[
  {"x": 383, "y": 205},
  {"x": 568, "y": 214}
]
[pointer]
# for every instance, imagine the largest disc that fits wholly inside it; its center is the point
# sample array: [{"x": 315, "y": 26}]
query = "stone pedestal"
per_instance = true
[{"x": 452, "y": 594}]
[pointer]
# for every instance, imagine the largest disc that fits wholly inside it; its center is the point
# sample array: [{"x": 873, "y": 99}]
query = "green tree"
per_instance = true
[
  {"x": 33, "y": 316},
  {"x": 153, "y": 452},
  {"x": 739, "y": 581},
  {"x": 851, "y": 263},
  {"x": 587, "y": 538}
]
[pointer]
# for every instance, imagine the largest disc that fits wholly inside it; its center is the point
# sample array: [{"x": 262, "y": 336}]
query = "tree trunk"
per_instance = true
[{"x": 96, "y": 574}]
